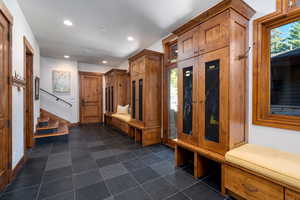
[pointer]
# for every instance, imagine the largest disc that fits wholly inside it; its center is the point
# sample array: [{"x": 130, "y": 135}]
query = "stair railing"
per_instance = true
[{"x": 56, "y": 97}]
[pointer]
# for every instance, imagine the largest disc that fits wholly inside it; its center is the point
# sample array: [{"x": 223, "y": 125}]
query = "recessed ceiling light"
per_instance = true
[
  {"x": 66, "y": 56},
  {"x": 104, "y": 61},
  {"x": 68, "y": 22},
  {"x": 130, "y": 38}
]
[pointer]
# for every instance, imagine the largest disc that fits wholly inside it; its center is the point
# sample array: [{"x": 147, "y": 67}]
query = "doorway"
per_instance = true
[
  {"x": 28, "y": 96},
  {"x": 6, "y": 94},
  {"x": 91, "y": 94}
]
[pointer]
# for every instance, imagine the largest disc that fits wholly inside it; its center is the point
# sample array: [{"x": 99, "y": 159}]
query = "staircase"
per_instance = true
[{"x": 50, "y": 126}]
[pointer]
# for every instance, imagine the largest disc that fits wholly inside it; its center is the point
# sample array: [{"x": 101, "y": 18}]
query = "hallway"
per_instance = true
[{"x": 96, "y": 163}]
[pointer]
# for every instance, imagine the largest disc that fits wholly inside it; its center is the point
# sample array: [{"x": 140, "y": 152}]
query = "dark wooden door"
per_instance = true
[
  {"x": 4, "y": 103},
  {"x": 90, "y": 98},
  {"x": 213, "y": 100}
]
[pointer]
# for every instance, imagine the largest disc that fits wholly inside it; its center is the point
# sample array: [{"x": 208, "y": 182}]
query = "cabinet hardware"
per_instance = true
[{"x": 245, "y": 55}]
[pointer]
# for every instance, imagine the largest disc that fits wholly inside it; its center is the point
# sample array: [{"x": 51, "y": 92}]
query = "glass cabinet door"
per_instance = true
[
  {"x": 133, "y": 100},
  {"x": 213, "y": 100},
  {"x": 172, "y": 102},
  {"x": 187, "y": 102},
  {"x": 293, "y": 4},
  {"x": 141, "y": 99}
]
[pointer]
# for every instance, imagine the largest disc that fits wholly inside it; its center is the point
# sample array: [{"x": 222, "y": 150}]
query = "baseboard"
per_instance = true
[
  {"x": 18, "y": 168},
  {"x": 74, "y": 124}
]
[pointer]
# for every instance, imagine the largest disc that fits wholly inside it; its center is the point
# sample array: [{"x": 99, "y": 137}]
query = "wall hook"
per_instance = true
[
  {"x": 18, "y": 82},
  {"x": 245, "y": 55}
]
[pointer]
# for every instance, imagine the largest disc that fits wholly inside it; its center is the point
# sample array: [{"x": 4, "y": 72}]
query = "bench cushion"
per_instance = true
[
  {"x": 122, "y": 117},
  {"x": 277, "y": 165}
]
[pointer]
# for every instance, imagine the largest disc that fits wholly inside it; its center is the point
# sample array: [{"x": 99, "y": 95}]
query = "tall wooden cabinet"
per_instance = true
[
  {"x": 117, "y": 91},
  {"x": 212, "y": 66},
  {"x": 145, "y": 84}
]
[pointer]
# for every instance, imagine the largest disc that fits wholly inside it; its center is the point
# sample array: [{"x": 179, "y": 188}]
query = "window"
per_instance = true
[{"x": 276, "y": 80}]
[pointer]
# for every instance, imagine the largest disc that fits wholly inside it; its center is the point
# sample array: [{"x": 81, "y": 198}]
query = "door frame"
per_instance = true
[
  {"x": 28, "y": 94},
  {"x": 100, "y": 75},
  {"x": 6, "y": 13},
  {"x": 165, "y": 90}
]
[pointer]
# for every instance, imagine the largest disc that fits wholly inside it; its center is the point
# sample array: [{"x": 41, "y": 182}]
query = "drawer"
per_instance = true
[
  {"x": 291, "y": 195},
  {"x": 251, "y": 187}
]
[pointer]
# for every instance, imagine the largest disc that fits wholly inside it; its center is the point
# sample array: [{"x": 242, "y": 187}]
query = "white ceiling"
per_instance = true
[{"x": 101, "y": 27}]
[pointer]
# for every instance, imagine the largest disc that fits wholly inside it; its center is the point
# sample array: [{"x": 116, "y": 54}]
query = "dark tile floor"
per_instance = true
[{"x": 96, "y": 162}]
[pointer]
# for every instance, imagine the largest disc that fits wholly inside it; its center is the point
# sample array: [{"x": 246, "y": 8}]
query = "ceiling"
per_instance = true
[{"x": 101, "y": 27}]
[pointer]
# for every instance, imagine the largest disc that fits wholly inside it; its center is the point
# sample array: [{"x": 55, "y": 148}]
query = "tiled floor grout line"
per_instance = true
[
  {"x": 40, "y": 186},
  {"x": 141, "y": 186}
]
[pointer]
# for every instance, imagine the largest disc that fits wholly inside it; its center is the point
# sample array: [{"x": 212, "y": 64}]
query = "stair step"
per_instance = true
[
  {"x": 44, "y": 119},
  {"x": 52, "y": 125},
  {"x": 61, "y": 130}
]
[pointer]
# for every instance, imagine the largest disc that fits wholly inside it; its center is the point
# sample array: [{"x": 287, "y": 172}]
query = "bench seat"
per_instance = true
[
  {"x": 122, "y": 117},
  {"x": 279, "y": 166}
]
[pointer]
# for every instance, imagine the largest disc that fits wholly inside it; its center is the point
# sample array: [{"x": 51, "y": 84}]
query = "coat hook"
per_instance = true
[{"x": 245, "y": 55}]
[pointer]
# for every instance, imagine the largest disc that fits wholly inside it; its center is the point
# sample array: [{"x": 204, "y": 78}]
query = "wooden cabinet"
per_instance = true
[
  {"x": 145, "y": 80},
  {"x": 218, "y": 67},
  {"x": 116, "y": 89}
]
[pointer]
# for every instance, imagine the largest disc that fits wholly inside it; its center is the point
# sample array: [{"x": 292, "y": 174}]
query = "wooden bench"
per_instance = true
[
  {"x": 119, "y": 121},
  {"x": 146, "y": 136},
  {"x": 261, "y": 173}
]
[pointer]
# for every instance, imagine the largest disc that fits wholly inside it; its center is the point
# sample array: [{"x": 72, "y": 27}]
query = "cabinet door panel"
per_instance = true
[
  {"x": 187, "y": 45},
  {"x": 187, "y": 102},
  {"x": 213, "y": 100},
  {"x": 214, "y": 34}
]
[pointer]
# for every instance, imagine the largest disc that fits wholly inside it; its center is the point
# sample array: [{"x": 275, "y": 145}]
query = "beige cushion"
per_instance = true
[
  {"x": 123, "y": 117},
  {"x": 277, "y": 165},
  {"x": 122, "y": 109}
]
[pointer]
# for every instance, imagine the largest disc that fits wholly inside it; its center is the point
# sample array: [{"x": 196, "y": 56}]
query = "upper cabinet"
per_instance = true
[
  {"x": 187, "y": 45},
  {"x": 213, "y": 34}
]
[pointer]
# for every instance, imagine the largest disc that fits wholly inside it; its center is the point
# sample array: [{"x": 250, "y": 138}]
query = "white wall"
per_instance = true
[
  {"x": 49, "y": 103},
  {"x": 20, "y": 29}
]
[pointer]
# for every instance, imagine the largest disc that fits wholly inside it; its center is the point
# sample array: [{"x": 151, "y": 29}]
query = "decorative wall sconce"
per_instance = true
[{"x": 18, "y": 81}]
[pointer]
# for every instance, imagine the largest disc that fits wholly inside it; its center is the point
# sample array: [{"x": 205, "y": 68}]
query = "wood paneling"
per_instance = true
[
  {"x": 187, "y": 45},
  {"x": 90, "y": 98},
  {"x": 6, "y": 98}
]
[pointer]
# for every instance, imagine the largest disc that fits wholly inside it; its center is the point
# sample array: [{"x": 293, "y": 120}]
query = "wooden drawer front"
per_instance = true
[
  {"x": 291, "y": 195},
  {"x": 251, "y": 187},
  {"x": 214, "y": 34},
  {"x": 187, "y": 45}
]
